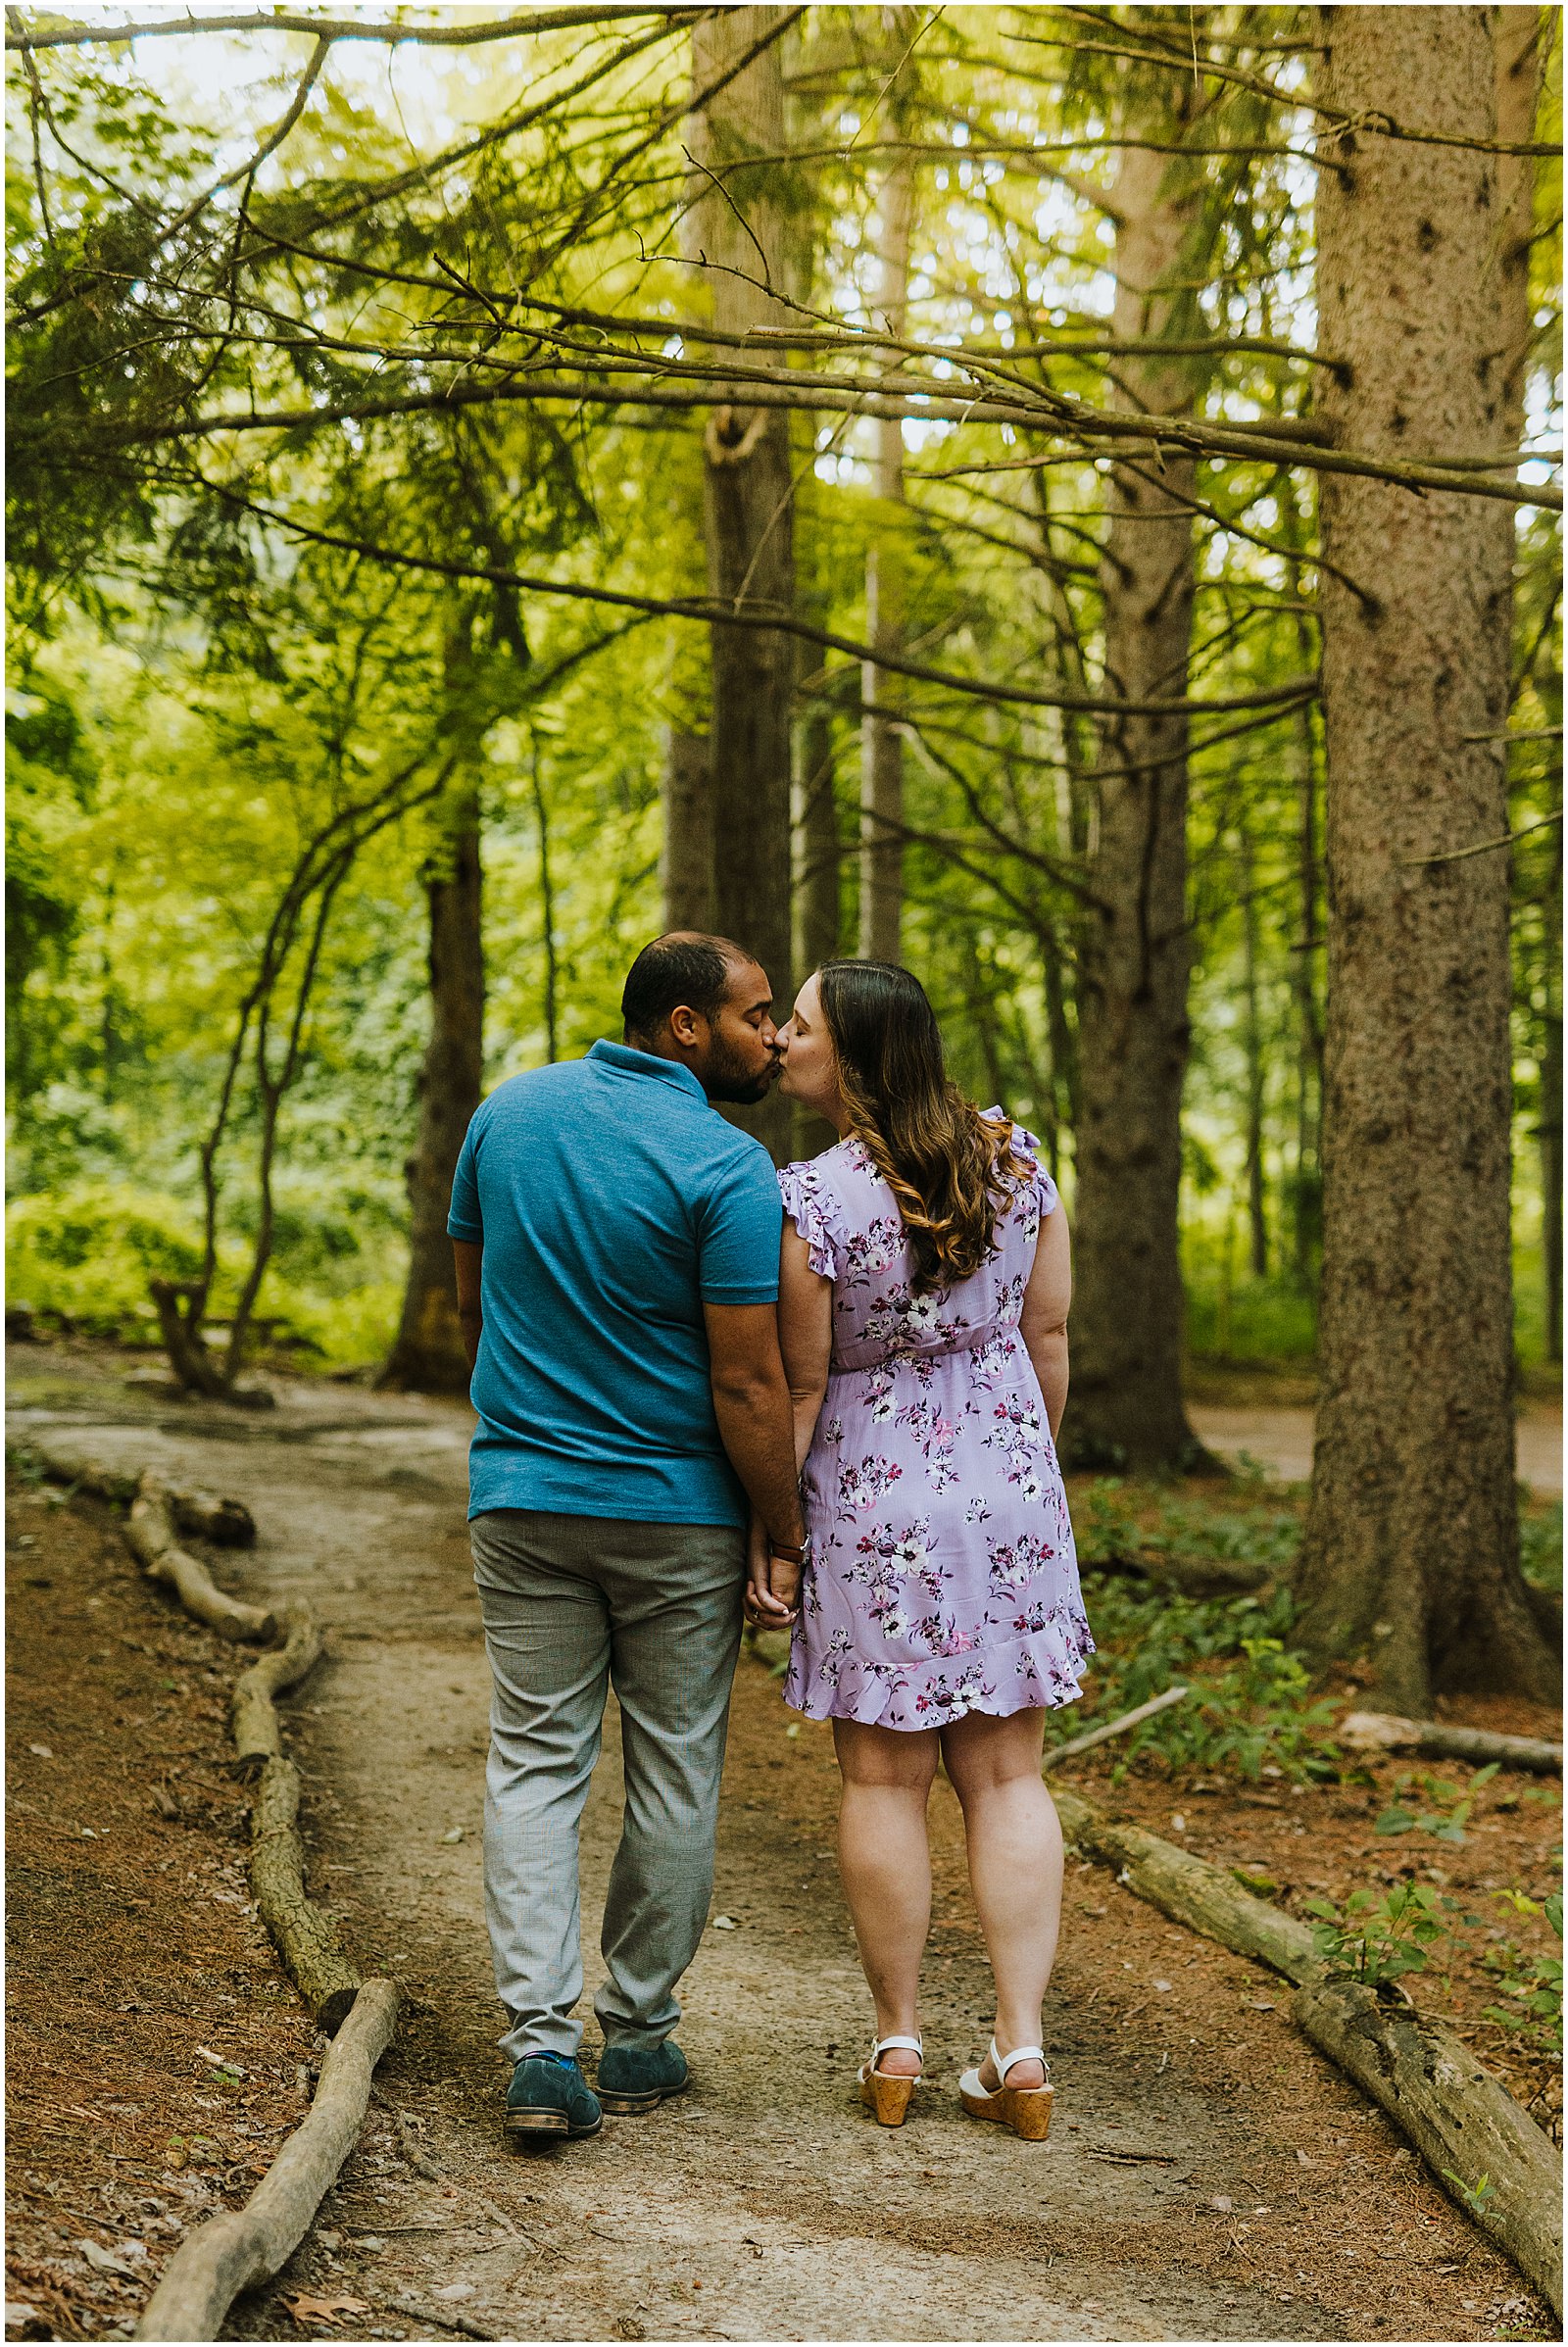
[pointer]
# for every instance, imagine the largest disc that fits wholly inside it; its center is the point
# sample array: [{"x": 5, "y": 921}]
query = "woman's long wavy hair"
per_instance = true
[{"x": 950, "y": 1171}]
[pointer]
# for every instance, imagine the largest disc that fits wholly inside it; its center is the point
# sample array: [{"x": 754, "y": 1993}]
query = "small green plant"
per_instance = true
[
  {"x": 1478, "y": 2197},
  {"x": 1449, "y": 1810},
  {"x": 1375, "y": 1939},
  {"x": 1530, "y": 1984}
]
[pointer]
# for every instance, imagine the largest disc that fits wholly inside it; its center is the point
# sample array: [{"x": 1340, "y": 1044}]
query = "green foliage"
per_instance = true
[
  {"x": 1376, "y": 1936},
  {"x": 1449, "y": 1807},
  {"x": 86, "y": 1254},
  {"x": 1251, "y": 1709},
  {"x": 1530, "y": 1984},
  {"x": 1540, "y": 1545}
]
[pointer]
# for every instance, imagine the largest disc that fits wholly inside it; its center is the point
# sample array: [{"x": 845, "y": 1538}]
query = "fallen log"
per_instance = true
[
  {"x": 258, "y": 1736},
  {"x": 303, "y": 1934},
  {"x": 150, "y": 1536},
  {"x": 227, "y": 1523},
  {"x": 1188, "y": 1575},
  {"x": 1387, "y": 1732},
  {"x": 1191, "y": 1890},
  {"x": 1494, "y": 2159},
  {"x": 246, "y": 2246},
  {"x": 1463, "y": 2121},
  {"x": 1100, "y": 1736}
]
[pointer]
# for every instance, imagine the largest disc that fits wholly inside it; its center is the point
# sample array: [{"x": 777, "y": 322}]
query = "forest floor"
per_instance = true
[{"x": 1208, "y": 2175}]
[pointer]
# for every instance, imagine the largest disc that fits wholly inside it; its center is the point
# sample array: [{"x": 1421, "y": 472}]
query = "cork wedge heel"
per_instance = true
[
  {"x": 1026, "y": 2110},
  {"x": 885, "y": 2094}
]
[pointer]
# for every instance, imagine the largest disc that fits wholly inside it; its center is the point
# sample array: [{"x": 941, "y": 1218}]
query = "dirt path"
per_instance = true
[
  {"x": 1208, "y": 2177},
  {"x": 1280, "y": 1438}
]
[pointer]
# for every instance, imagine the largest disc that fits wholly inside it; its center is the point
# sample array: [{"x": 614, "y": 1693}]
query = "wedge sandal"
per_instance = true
[
  {"x": 1024, "y": 2109},
  {"x": 882, "y": 2091}
]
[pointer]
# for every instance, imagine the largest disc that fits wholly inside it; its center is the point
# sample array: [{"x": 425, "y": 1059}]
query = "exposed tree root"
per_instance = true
[
  {"x": 227, "y": 1523},
  {"x": 237, "y": 2250},
  {"x": 150, "y": 1536},
  {"x": 247, "y": 2247},
  {"x": 252, "y": 1716},
  {"x": 1386, "y": 1731},
  {"x": 1463, "y": 2121},
  {"x": 303, "y": 1934}
]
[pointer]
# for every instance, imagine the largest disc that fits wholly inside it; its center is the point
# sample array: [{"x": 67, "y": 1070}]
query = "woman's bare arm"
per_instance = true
[
  {"x": 1043, "y": 1323},
  {"x": 805, "y": 1335}
]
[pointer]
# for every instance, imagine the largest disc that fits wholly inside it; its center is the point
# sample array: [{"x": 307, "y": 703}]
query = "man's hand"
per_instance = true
[{"x": 772, "y": 1584}]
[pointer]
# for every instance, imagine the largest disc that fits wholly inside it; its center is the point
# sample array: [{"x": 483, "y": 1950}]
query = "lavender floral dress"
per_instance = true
[{"x": 941, "y": 1575}]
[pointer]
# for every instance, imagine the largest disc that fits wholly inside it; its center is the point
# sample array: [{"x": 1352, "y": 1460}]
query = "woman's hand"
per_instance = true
[{"x": 772, "y": 1584}]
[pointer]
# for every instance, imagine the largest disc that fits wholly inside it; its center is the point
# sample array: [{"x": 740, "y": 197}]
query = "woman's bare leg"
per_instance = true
[
  {"x": 885, "y": 1862},
  {"x": 1014, "y": 1866}
]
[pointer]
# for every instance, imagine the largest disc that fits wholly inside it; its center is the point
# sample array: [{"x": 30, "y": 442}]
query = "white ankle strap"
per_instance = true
[
  {"x": 1020, "y": 2053},
  {"x": 881, "y": 2044}
]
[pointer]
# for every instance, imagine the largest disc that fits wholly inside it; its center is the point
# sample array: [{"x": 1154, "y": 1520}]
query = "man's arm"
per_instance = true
[
  {"x": 467, "y": 1255},
  {"x": 751, "y": 1404},
  {"x": 1043, "y": 1323}
]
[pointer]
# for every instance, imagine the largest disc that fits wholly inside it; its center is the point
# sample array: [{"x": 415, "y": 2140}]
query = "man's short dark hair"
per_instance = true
[{"x": 682, "y": 968}]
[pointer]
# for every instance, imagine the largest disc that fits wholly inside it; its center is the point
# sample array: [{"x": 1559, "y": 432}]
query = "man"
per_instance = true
[{"x": 617, "y": 1251}]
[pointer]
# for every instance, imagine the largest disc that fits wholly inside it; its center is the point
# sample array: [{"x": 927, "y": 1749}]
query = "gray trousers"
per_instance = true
[{"x": 573, "y": 1606}]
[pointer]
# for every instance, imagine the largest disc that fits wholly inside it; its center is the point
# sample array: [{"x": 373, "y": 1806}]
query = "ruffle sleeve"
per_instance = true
[
  {"x": 1029, "y": 1145},
  {"x": 816, "y": 1215}
]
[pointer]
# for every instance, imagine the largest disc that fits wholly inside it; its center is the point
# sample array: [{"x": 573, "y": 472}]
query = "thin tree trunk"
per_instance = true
[
  {"x": 818, "y": 872},
  {"x": 429, "y": 1354},
  {"x": 1411, "y": 1545},
  {"x": 546, "y": 906},
  {"x": 1549, "y": 1120},
  {"x": 1517, "y": 52},
  {"x": 881, "y": 745},
  {"x": 1253, "y": 1038},
  {"x": 1126, "y": 1406},
  {"x": 738, "y": 225},
  {"x": 1307, "y": 1217},
  {"x": 1517, "y": 63},
  {"x": 818, "y": 848},
  {"x": 686, "y": 857}
]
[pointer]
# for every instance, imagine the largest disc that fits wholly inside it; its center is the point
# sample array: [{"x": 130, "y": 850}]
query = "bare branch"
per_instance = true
[
  {"x": 391, "y": 32},
  {"x": 708, "y": 613}
]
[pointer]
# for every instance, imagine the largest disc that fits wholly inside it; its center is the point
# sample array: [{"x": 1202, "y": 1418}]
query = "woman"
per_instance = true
[{"x": 923, "y": 1298}]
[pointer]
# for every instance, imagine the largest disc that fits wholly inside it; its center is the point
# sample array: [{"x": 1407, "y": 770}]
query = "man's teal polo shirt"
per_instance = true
[{"x": 612, "y": 1203}]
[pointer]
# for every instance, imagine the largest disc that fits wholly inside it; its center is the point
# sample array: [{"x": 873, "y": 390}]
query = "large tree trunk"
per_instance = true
[
  {"x": 429, "y": 1354},
  {"x": 738, "y": 225},
  {"x": 1126, "y": 1406},
  {"x": 881, "y": 744},
  {"x": 1411, "y": 1547}
]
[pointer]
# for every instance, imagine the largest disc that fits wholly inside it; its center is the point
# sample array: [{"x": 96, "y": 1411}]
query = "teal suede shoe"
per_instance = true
[
  {"x": 550, "y": 2096},
  {"x": 634, "y": 2078}
]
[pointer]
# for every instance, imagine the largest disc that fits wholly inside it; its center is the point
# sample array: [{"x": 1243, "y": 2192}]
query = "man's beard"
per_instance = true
[{"x": 725, "y": 1079}]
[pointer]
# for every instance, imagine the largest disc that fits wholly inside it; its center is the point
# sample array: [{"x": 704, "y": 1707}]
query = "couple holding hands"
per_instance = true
[{"x": 837, "y": 1418}]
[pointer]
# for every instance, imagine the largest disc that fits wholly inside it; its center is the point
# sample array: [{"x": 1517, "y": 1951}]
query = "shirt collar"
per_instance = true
[{"x": 620, "y": 1058}]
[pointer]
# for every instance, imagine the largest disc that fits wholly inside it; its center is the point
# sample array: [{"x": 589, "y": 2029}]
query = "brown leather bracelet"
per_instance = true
[{"x": 792, "y": 1555}]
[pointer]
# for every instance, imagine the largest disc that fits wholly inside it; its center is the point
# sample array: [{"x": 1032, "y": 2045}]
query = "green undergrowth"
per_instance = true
[
  {"x": 1541, "y": 1543},
  {"x": 82, "y": 1256},
  {"x": 1379, "y": 1936},
  {"x": 1251, "y": 1710}
]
